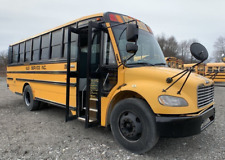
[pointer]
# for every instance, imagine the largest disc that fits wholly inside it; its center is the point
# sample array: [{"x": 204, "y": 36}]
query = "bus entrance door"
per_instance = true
[
  {"x": 70, "y": 74},
  {"x": 89, "y": 81},
  {"x": 94, "y": 82}
]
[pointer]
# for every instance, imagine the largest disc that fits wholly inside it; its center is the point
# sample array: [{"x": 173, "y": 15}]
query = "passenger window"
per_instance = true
[
  {"x": 45, "y": 41},
  {"x": 108, "y": 53},
  {"x": 10, "y": 52},
  {"x": 15, "y": 53},
  {"x": 22, "y": 45},
  {"x": 56, "y": 44},
  {"x": 210, "y": 69},
  {"x": 217, "y": 69},
  {"x": 28, "y": 51},
  {"x": 36, "y": 46}
]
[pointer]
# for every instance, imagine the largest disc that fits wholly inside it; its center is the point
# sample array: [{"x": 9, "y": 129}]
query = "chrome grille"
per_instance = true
[{"x": 205, "y": 95}]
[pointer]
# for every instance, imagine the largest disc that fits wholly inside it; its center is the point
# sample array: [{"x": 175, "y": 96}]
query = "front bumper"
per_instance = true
[{"x": 184, "y": 126}]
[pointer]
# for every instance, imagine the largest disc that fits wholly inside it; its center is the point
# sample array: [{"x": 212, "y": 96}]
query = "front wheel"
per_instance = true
[
  {"x": 29, "y": 102},
  {"x": 133, "y": 125}
]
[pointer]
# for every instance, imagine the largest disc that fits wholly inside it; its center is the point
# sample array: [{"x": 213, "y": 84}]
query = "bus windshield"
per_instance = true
[{"x": 149, "y": 51}]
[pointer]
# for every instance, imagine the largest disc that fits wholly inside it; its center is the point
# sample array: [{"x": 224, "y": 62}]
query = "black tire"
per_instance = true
[
  {"x": 28, "y": 99},
  {"x": 133, "y": 125}
]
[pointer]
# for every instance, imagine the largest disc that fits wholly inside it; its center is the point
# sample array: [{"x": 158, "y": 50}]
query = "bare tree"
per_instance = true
[
  {"x": 184, "y": 51},
  {"x": 219, "y": 49},
  {"x": 3, "y": 62},
  {"x": 171, "y": 48},
  {"x": 3, "y": 58},
  {"x": 169, "y": 45}
]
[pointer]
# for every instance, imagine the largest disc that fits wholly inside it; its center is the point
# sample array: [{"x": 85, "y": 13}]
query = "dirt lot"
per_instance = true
[{"x": 44, "y": 134}]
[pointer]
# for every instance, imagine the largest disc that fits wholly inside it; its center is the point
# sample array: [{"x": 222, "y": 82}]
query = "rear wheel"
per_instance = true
[
  {"x": 29, "y": 102},
  {"x": 133, "y": 125}
]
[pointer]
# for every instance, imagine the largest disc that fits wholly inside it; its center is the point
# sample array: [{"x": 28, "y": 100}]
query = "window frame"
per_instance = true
[
  {"x": 17, "y": 45},
  {"x": 29, "y": 47},
  {"x": 21, "y": 52},
  {"x": 36, "y": 49},
  {"x": 58, "y": 44}
]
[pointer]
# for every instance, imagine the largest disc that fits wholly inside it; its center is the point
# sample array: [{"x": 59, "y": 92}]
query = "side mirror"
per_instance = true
[
  {"x": 223, "y": 58},
  {"x": 199, "y": 51},
  {"x": 132, "y": 32},
  {"x": 131, "y": 48}
]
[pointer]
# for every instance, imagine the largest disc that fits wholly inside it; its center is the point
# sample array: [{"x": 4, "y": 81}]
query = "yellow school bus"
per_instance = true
[
  {"x": 215, "y": 71},
  {"x": 189, "y": 66},
  {"x": 107, "y": 69},
  {"x": 174, "y": 62},
  {"x": 199, "y": 69}
]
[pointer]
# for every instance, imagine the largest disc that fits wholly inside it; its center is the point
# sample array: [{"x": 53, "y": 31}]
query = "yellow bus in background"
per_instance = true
[
  {"x": 189, "y": 66},
  {"x": 174, "y": 62},
  {"x": 215, "y": 71},
  {"x": 199, "y": 69},
  {"x": 107, "y": 69}
]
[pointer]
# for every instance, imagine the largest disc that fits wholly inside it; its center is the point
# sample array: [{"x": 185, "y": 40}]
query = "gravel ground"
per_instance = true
[{"x": 44, "y": 134}]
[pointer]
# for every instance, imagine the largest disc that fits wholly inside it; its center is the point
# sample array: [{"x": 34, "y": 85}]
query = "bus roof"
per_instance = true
[
  {"x": 61, "y": 26},
  {"x": 189, "y": 64},
  {"x": 108, "y": 17},
  {"x": 215, "y": 64}
]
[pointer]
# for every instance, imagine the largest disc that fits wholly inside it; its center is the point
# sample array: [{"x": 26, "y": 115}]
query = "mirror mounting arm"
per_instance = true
[
  {"x": 184, "y": 81},
  {"x": 197, "y": 63},
  {"x": 170, "y": 79},
  {"x": 184, "y": 72},
  {"x": 200, "y": 53}
]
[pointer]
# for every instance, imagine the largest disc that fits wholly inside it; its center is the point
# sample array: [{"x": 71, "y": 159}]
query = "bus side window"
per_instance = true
[
  {"x": 56, "y": 44},
  {"x": 222, "y": 69},
  {"x": 108, "y": 54},
  {"x": 209, "y": 69},
  {"x": 10, "y": 55},
  {"x": 216, "y": 69},
  {"x": 45, "y": 47},
  {"x": 15, "y": 53},
  {"x": 28, "y": 51},
  {"x": 36, "y": 45},
  {"x": 22, "y": 45}
]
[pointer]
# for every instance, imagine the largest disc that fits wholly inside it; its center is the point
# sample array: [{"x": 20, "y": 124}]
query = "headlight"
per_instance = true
[{"x": 172, "y": 101}]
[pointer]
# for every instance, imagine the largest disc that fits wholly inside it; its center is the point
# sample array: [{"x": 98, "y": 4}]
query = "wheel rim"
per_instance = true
[
  {"x": 130, "y": 126},
  {"x": 27, "y": 98}
]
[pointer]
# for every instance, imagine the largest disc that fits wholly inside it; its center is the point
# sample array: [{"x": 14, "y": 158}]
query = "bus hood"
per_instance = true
[{"x": 154, "y": 75}]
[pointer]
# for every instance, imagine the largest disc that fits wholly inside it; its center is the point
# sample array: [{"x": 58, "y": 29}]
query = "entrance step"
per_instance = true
[
  {"x": 91, "y": 109},
  {"x": 83, "y": 119}
]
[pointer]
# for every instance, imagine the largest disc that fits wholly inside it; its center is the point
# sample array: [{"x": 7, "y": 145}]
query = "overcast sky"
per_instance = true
[{"x": 203, "y": 20}]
